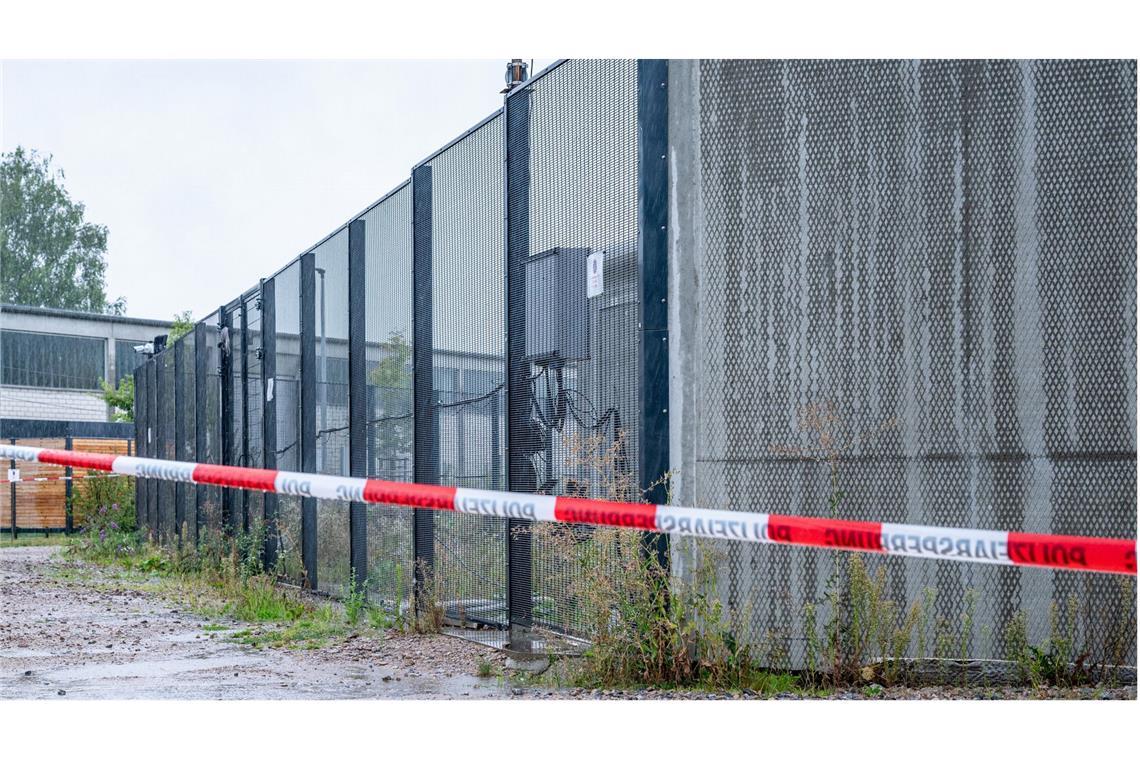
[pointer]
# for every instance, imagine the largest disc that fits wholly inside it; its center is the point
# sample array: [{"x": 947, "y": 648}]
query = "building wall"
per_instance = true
[
  {"x": 53, "y": 403},
  {"x": 25, "y": 403},
  {"x": 906, "y": 291}
]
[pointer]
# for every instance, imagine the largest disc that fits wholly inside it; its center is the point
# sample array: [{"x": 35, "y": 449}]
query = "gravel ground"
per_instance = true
[{"x": 73, "y": 630}]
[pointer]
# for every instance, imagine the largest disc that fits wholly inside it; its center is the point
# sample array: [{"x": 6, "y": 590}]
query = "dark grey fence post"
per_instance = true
[
  {"x": 179, "y": 435},
  {"x": 269, "y": 416},
  {"x": 68, "y": 517},
  {"x": 424, "y": 400},
  {"x": 653, "y": 280},
  {"x": 225, "y": 370},
  {"x": 243, "y": 494},
  {"x": 140, "y": 443},
  {"x": 199, "y": 421},
  {"x": 308, "y": 432},
  {"x": 357, "y": 401},
  {"x": 520, "y": 472},
  {"x": 152, "y": 445},
  {"x": 12, "y": 489}
]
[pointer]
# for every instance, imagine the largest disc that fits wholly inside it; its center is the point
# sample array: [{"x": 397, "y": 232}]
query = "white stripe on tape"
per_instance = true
[
  {"x": 320, "y": 486},
  {"x": 151, "y": 468},
  {"x": 947, "y": 543},
  {"x": 26, "y": 453},
  {"x": 712, "y": 523},
  {"x": 519, "y": 506}
]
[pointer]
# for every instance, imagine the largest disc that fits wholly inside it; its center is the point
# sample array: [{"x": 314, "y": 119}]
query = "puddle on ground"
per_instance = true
[
  {"x": 20, "y": 653},
  {"x": 149, "y": 668}
]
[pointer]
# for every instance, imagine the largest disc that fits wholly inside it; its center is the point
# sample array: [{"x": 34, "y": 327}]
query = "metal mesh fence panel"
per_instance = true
[
  {"x": 211, "y": 511},
  {"x": 576, "y": 364},
  {"x": 236, "y": 411},
  {"x": 916, "y": 304},
  {"x": 166, "y": 450},
  {"x": 332, "y": 407},
  {"x": 468, "y": 367},
  {"x": 253, "y": 502},
  {"x": 388, "y": 339},
  {"x": 287, "y": 397},
  {"x": 187, "y": 492}
]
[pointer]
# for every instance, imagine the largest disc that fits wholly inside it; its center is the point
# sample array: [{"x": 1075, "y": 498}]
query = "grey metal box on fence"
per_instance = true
[{"x": 557, "y": 317}]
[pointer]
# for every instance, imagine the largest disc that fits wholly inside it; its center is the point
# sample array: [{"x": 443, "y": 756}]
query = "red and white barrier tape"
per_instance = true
[{"x": 1107, "y": 555}]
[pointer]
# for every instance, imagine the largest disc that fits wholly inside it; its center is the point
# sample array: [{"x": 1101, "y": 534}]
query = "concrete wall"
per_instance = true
[{"x": 940, "y": 257}]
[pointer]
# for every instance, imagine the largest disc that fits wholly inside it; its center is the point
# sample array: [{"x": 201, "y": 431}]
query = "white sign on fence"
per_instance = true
[
  {"x": 14, "y": 475},
  {"x": 595, "y": 285}
]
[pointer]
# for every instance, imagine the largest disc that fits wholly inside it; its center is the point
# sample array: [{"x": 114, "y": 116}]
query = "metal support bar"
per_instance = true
[
  {"x": 152, "y": 445},
  {"x": 269, "y": 416},
  {"x": 200, "y": 453},
  {"x": 181, "y": 490},
  {"x": 12, "y": 487},
  {"x": 68, "y": 519},
  {"x": 653, "y": 281},
  {"x": 424, "y": 398},
  {"x": 140, "y": 443},
  {"x": 357, "y": 401},
  {"x": 308, "y": 432},
  {"x": 520, "y": 471}
]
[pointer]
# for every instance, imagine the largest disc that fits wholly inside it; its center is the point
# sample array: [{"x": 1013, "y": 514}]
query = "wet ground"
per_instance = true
[
  {"x": 72, "y": 630},
  {"x": 66, "y": 635}
]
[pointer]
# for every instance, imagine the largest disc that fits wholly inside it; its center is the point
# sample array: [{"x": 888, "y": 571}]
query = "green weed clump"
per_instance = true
[{"x": 104, "y": 509}]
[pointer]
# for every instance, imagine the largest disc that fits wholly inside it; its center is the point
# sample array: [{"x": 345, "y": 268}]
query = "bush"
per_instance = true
[{"x": 104, "y": 508}]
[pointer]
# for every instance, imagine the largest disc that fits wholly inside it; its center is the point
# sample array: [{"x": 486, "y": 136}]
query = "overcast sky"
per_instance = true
[{"x": 210, "y": 175}]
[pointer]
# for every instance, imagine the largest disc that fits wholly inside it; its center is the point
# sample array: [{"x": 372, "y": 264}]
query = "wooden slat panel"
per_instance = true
[
  {"x": 44, "y": 505},
  {"x": 38, "y": 505}
]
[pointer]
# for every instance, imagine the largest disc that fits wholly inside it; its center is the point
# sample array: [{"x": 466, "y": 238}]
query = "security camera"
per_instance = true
[{"x": 144, "y": 348}]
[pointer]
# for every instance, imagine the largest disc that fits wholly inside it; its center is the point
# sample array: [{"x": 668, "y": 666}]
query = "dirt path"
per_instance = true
[
  {"x": 90, "y": 637},
  {"x": 73, "y": 630}
]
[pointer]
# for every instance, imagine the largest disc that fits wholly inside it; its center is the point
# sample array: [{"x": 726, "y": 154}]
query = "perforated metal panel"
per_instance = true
[{"x": 938, "y": 260}]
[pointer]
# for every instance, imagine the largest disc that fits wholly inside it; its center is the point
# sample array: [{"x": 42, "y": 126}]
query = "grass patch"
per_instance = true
[
  {"x": 26, "y": 539},
  {"x": 315, "y": 630},
  {"x": 224, "y": 580}
]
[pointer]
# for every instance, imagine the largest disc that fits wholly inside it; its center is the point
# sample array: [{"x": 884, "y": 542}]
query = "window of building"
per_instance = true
[{"x": 45, "y": 360}]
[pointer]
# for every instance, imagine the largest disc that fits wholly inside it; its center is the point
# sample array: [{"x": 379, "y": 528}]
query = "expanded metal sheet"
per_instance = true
[
  {"x": 468, "y": 367},
  {"x": 388, "y": 346},
  {"x": 581, "y": 349},
  {"x": 331, "y": 259},
  {"x": 917, "y": 303},
  {"x": 287, "y": 398}
]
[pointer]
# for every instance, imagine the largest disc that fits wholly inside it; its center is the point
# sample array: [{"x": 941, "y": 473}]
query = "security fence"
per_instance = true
[{"x": 806, "y": 287}]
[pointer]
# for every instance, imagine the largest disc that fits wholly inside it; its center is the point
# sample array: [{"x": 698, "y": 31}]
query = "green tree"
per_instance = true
[
  {"x": 183, "y": 325},
  {"x": 49, "y": 254},
  {"x": 121, "y": 399},
  {"x": 392, "y": 381}
]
